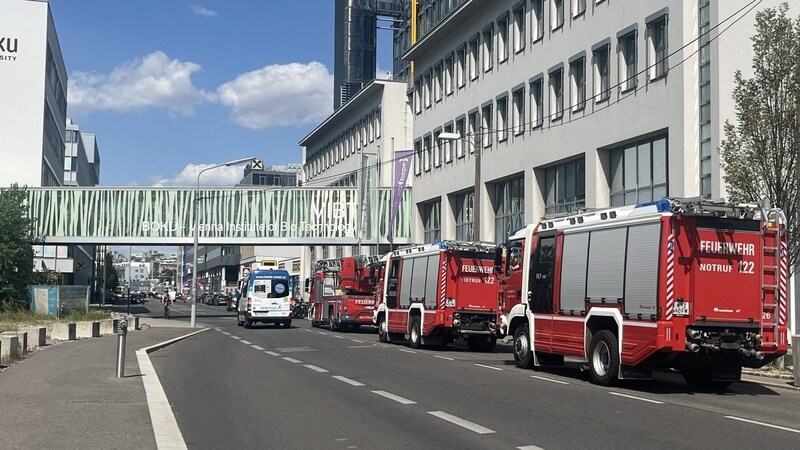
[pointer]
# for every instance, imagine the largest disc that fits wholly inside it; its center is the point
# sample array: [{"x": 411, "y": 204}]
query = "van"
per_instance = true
[{"x": 265, "y": 298}]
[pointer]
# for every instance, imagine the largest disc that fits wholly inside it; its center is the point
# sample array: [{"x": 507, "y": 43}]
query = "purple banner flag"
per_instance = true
[{"x": 402, "y": 166}]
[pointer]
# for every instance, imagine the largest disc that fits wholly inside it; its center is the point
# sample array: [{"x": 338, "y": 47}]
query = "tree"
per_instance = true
[
  {"x": 761, "y": 152},
  {"x": 112, "y": 279},
  {"x": 16, "y": 253}
]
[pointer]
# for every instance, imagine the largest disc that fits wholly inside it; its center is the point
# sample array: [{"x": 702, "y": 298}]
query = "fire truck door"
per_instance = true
[{"x": 541, "y": 276}]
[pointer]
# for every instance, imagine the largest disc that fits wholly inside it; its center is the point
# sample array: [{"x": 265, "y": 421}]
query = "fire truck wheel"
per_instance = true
[
  {"x": 523, "y": 355},
  {"x": 604, "y": 358},
  {"x": 701, "y": 378},
  {"x": 383, "y": 331},
  {"x": 415, "y": 340}
]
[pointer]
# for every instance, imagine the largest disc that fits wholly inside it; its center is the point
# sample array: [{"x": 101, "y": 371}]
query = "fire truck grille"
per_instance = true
[{"x": 477, "y": 321}]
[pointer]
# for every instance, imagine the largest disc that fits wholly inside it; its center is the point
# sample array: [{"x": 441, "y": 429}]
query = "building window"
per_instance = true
[
  {"x": 556, "y": 94},
  {"x": 486, "y": 125},
  {"x": 537, "y": 103},
  {"x": 448, "y": 145},
  {"x": 638, "y": 172},
  {"x": 557, "y": 16},
  {"x": 518, "y": 111},
  {"x": 565, "y": 186},
  {"x": 449, "y": 77},
  {"x": 704, "y": 24},
  {"x": 472, "y": 135},
  {"x": 488, "y": 49},
  {"x": 628, "y": 61},
  {"x": 459, "y": 143},
  {"x": 657, "y": 39},
  {"x": 578, "y": 75},
  {"x": 502, "y": 40},
  {"x": 502, "y": 119},
  {"x": 437, "y": 83},
  {"x": 417, "y": 158},
  {"x": 461, "y": 67},
  {"x": 537, "y": 20},
  {"x": 464, "y": 215},
  {"x": 418, "y": 95},
  {"x": 427, "y": 153},
  {"x": 602, "y": 78},
  {"x": 426, "y": 90},
  {"x": 509, "y": 207},
  {"x": 578, "y": 7},
  {"x": 437, "y": 149},
  {"x": 519, "y": 28},
  {"x": 473, "y": 59},
  {"x": 432, "y": 221}
]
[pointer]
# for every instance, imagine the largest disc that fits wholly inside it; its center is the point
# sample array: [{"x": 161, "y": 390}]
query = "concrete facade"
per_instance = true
[
  {"x": 34, "y": 93},
  {"x": 479, "y": 70}
]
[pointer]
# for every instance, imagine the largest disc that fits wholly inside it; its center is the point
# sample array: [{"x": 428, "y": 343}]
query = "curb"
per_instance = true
[{"x": 771, "y": 382}]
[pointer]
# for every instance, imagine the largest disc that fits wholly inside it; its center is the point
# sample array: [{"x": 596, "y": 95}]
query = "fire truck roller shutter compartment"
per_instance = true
[
  {"x": 430, "y": 281},
  {"x": 641, "y": 271},
  {"x": 573, "y": 272},
  {"x": 418, "y": 273},
  {"x": 606, "y": 265},
  {"x": 405, "y": 282}
]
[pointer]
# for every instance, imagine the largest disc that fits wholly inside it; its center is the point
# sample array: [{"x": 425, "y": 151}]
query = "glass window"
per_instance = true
[
  {"x": 578, "y": 70},
  {"x": 537, "y": 20},
  {"x": 579, "y": 7},
  {"x": 502, "y": 119},
  {"x": 557, "y": 18},
  {"x": 601, "y": 74},
  {"x": 565, "y": 186},
  {"x": 459, "y": 143},
  {"x": 461, "y": 64},
  {"x": 556, "y": 94},
  {"x": 449, "y": 76},
  {"x": 519, "y": 28},
  {"x": 502, "y": 40},
  {"x": 432, "y": 221},
  {"x": 437, "y": 83},
  {"x": 638, "y": 172},
  {"x": 509, "y": 204},
  {"x": 486, "y": 126},
  {"x": 628, "y": 61},
  {"x": 464, "y": 215},
  {"x": 488, "y": 49},
  {"x": 518, "y": 114},
  {"x": 658, "y": 47},
  {"x": 537, "y": 104},
  {"x": 473, "y": 59}
]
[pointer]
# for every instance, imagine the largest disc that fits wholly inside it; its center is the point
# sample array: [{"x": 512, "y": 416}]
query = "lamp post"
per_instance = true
[
  {"x": 476, "y": 207},
  {"x": 235, "y": 162}
]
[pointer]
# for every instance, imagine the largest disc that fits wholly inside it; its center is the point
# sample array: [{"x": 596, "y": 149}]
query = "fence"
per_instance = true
[{"x": 58, "y": 301}]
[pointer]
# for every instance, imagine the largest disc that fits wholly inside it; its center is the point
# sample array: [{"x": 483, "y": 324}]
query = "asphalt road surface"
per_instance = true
[{"x": 305, "y": 387}]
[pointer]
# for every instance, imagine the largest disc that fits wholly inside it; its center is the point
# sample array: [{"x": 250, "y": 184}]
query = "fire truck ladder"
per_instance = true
[{"x": 772, "y": 273}]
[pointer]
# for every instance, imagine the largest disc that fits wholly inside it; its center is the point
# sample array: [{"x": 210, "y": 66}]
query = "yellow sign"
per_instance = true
[{"x": 269, "y": 262}]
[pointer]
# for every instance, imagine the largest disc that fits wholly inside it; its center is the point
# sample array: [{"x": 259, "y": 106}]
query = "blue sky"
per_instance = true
[{"x": 172, "y": 86}]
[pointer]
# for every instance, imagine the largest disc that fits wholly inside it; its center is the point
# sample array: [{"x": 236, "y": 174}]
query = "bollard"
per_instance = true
[
  {"x": 122, "y": 335},
  {"x": 796, "y": 359}
]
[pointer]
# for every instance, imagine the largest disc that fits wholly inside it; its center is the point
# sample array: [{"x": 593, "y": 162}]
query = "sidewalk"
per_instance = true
[{"x": 67, "y": 395}]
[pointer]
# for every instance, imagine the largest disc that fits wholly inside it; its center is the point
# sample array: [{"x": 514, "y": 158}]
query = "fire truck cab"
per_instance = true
[
  {"x": 436, "y": 293},
  {"x": 698, "y": 286}
]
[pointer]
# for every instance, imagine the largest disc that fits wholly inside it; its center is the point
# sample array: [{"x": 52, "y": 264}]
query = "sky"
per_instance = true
[{"x": 171, "y": 87}]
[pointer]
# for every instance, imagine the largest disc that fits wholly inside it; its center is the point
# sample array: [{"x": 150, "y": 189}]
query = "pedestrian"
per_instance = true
[{"x": 167, "y": 302}]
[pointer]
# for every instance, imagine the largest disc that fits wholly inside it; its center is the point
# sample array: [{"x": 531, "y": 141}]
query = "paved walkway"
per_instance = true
[{"x": 67, "y": 395}]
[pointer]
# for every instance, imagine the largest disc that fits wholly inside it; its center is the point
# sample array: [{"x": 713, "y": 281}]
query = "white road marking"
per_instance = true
[
  {"x": 315, "y": 368},
  {"x": 549, "y": 379},
  {"x": 292, "y": 360},
  {"x": 396, "y": 398},
  {"x": 272, "y": 353},
  {"x": 637, "y": 398},
  {"x": 777, "y": 427},
  {"x": 348, "y": 380},
  {"x": 235, "y": 337},
  {"x": 258, "y": 347},
  {"x": 226, "y": 333},
  {"x": 162, "y": 419},
  {"x": 530, "y": 447},
  {"x": 443, "y": 357},
  {"x": 357, "y": 341},
  {"x": 461, "y": 422},
  {"x": 338, "y": 337},
  {"x": 360, "y": 346},
  {"x": 218, "y": 329},
  {"x": 488, "y": 367},
  {"x": 310, "y": 331},
  {"x": 322, "y": 333},
  {"x": 245, "y": 342},
  {"x": 407, "y": 351}
]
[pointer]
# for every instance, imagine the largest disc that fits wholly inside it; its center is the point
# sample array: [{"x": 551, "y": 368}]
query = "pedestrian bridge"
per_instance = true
[{"x": 256, "y": 215}]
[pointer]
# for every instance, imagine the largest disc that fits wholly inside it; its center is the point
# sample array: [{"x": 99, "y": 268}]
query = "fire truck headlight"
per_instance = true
[
  {"x": 456, "y": 323},
  {"x": 456, "y": 316}
]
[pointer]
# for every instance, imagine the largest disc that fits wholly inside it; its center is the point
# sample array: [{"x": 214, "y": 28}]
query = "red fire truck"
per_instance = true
[
  {"x": 440, "y": 292},
  {"x": 699, "y": 286},
  {"x": 342, "y": 291}
]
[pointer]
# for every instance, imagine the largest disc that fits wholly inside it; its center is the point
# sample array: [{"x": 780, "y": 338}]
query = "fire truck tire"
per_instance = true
[
  {"x": 383, "y": 331},
  {"x": 415, "y": 336},
  {"x": 604, "y": 358},
  {"x": 701, "y": 378},
  {"x": 523, "y": 356}
]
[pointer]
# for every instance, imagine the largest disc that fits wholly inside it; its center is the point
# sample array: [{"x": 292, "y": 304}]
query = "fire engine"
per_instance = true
[
  {"x": 342, "y": 291},
  {"x": 436, "y": 293},
  {"x": 695, "y": 285}
]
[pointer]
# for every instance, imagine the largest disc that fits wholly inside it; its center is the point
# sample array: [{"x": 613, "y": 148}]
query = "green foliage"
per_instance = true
[
  {"x": 112, "y": 279},
  {"x": 761, "y": 151},
  {"x": 16, "y": 253}
]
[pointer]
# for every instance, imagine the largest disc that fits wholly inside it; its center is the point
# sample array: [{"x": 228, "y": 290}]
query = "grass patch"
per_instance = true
[{"x": 12, "y": 320}]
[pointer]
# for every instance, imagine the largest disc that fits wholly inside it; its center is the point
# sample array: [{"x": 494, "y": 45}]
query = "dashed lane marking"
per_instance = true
[
  {"x": 357, "y": 341},
  {"x": 307, "y": 330},
  {"x": 338, "y": 337},
  {"x": 272, "y": 353},
  {"x": 226, "y": 333},
  {"x": 407, "y": 351},
  {"x": 444, "y": 357},
  {"x": 258, "y": 347},
  {"x": 218, "y": 329},
  {"x": 292, "y": 360},
  {"x": 549, "y": 379},
  {"x": 530, "y": 447},
  {"x": 461, "y": 422},
  {"x": 396, "y": 398},
  {"x": 348, "y": 381},
  {"x": 488, "y": 367},
  {"x": 361, "y": 346},
  {"x": 316, "y": 369},
  {"x": 235, "y": 337},
  {"x": 322, "y": 333},
  {"x": 245, "y": 342},
  {"x": 636, "y": 398},
  {"x": 763, "y": 424}
]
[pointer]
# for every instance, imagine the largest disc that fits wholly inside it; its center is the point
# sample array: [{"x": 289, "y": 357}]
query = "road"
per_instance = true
[{"x": 306, "y": 387}]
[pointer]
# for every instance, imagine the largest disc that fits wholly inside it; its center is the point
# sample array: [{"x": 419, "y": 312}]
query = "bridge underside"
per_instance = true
[{"x": 221, "y": 216}]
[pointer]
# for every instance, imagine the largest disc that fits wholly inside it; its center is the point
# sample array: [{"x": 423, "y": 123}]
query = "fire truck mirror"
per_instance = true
[
  {"x": 498, "y": 257},
  {"x": 307, "y": 286}
]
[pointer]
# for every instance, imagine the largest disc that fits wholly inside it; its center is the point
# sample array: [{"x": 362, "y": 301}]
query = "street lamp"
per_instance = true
[
  {"x": 235, "y": 162},
  {"x": 476, "y": 207}
]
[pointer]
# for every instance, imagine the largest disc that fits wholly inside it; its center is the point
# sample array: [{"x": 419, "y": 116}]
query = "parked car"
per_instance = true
[{"x": 222, "y": 299}]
